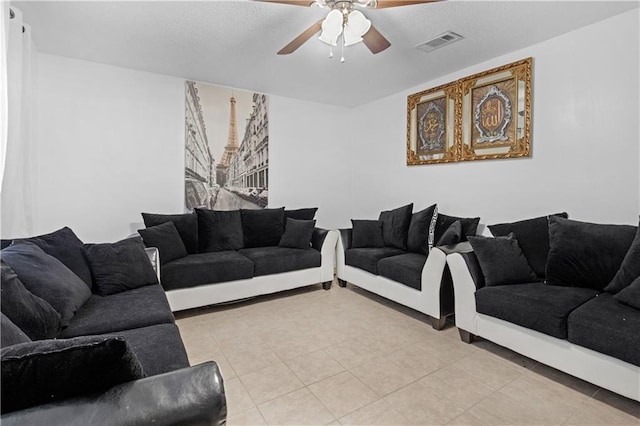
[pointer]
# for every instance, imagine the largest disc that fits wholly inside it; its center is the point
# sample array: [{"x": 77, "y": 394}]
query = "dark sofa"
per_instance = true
[
  {"x": 210, "y": 256},
  {"x": 395, "y": 257},
  {"x": 562, "y": 292},
  {"x": 88, "y": 337}
]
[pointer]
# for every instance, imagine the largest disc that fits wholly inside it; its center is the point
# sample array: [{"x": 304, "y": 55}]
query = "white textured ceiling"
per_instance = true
[{"x": 234, "y": 43}]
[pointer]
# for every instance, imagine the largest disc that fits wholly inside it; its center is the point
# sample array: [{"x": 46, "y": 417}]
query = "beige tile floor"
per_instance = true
[{"x": 346, "y": 356}]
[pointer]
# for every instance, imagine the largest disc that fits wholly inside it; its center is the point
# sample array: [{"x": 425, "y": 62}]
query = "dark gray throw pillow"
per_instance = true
[
  {"x": 629, "y": 269},
  {"x": 502, "y": 261},
  {"x": 120, "y": 266},
  {"x": 297, "y": 234},
  {"x": 186, "y": 224},
  {"x": 469, "y": 226},
  {"x": 65, "y": 246},
  {"x": 301, "y": 214},
  {"x": 366, "y": 234},
  {"x": 583, "y": 254},
  {"x": 533, "y": 237},
  {"x": 39, "y": 372},
  {"x": 219, "y": 230},
  {"x": 10, "y": 334},
  {"x": 421, "y": 230},
  {"x": 395, "y": 226},
  {"x": 33, "y": 315},
  {"x": 453, "y": 235},
  {"x": 166, "y": 239},
  {"x": 48, "y": 278},
  {"x": 630, "y": 295},
  {"x": 262, "y": 228}
]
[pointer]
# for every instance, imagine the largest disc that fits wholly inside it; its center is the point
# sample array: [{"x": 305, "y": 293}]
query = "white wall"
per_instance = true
[{"x": 585, "y": 140}]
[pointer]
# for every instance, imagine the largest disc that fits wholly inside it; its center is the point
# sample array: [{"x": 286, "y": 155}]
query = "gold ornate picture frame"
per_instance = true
[
  {"x": 430, "y": 126},
  {"x": 494, "y": 113}
]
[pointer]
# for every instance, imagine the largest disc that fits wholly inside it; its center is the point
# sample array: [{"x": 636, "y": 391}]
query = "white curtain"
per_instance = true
[{"x": 17, "y": 149}]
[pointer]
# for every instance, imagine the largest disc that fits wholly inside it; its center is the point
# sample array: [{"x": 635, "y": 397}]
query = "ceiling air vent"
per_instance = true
[{"x": 439, "y": 41}]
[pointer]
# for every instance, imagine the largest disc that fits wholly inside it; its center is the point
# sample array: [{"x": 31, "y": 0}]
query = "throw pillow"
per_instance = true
[
  {"x": 469, "y": 226},
  {"x": 35, "y": 373},
  {"x": 366, "y": 234},
  {"x": 629, "y": 269},
  {"x": 166, "y": 239},
  {"x": 65, "y": 246},
  {"x": 186, "y": 224},
  {"x": 48, "y": 278},
  {"x": 533, "y": 237},
  {"x": 262, "y": 228},
  {"x": 34, "y": 316},
  {"x": 120, "y": 266},
  {"x": 585, "y": 254},
  {"x": 297, "y": 234},
  {"x": 395, "y": 226},
  {"x": 301, "y": 214},
  {"x": 10, "y": 334},
  {"x": 453, "y": 235},
  {"x": 502, "y": 260},
  {"x": 219, "y": 230},
  {"x": 421, "y": 230},
  {"x": 630, "y": 295}
]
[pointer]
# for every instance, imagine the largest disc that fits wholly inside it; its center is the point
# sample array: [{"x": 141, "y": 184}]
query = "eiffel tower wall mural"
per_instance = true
[{"x": 226, "y": 148}]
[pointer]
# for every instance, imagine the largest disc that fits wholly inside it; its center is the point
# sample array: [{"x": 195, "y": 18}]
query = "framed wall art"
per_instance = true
[
  {"x": 494, "y": 113},
  {"x": 430, "y": 126}
]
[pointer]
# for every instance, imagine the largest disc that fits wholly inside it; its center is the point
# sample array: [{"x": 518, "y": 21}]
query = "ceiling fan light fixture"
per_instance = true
[
  {"x": 331, "y": 28},
  {"x": 357, "y": 25}
]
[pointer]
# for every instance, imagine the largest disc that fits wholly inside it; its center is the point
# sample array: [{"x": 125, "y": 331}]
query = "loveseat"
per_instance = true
[
  {"x": 563, "y": 292},
  {"x": 394, "y": 257},
  {"x": 211, "y": 256},
  {"x": 88, "y": 337}
]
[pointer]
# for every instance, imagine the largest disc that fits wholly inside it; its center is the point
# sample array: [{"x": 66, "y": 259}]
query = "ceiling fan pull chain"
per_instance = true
[
  {"x": 330, "y": 51},
  {"x": 342, "y": 55}
]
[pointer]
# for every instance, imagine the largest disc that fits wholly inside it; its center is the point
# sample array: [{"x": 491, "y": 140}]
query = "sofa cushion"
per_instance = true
[
  {"x": 629, "y": 269},
  {"x": 158, "y": 348},
  {"x": 186, "y": 224},
  {"x": 274, "y": 260},
  {"x": 367, "y": 258},
  {"x": 469, "y": 225},
  {"x": 533, "y": 237},
  {"x": 404, "y": 268},
  {"x": 166, "y": 239},
  {"x": 607, "y": 326},
  {"x": 10, "y": 334},
  {"x": 48, "y": 278},
  {"x": 301, "y": 214},
  {"x": 586, "y": 254},
  {"x": 136, "y": 308},
  {"x": 65, "y": 246},
  {"x": 453, "y": 235},
  {"x": 205, "y": 268},
  {"x": 33, "y": 315},
  {"x": 502, "y": 261},
  {"x": 536, "y": 306},
  {"x": 35, "y": 373},
  {"x": 263, "y": 227},
  {"x": 120, "y": 266},
  {"x": 219, "y": 230},
  {"x": 297, "y": 234},
  {"x": 366, "y": 233},
  {"x": 395, "y": 226},
  {"x": 421, "y": 230},
  {"x": 630, "y": 295}
]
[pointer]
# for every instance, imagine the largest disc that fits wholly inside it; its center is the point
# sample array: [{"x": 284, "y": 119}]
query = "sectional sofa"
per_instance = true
[{"x": 563, "y": 292}]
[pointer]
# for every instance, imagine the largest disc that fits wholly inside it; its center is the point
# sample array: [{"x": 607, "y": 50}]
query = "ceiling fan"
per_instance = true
[{"x": 344, "y": 20}]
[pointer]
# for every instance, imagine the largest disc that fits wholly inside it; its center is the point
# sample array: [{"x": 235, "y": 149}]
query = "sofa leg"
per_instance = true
[
  {"x": 465, "y": 336},
  {"x": 342, "y": 283},
  {"x": 326, "y": 285},
  {"x": 438, "y": 323}
]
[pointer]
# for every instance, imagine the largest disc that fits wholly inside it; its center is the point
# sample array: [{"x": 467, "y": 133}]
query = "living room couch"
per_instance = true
[
  {"x": 395, "y": 257},
  {"x": 88, "y": 337},
  {"x": 233, "y": 255},
  {"x": 562, "y": 292}
]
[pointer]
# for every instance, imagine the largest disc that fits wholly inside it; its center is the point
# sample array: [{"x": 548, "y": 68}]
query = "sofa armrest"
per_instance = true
[
  {"x": 318, "y": 237},
  {"x": 345, "y": 237},
  {"x": 344, "y": 243},
  {"x": 193, "y": 395},
  {"x": 328, "y": 253},
  {"x": 154, "y": 257},
  {"x": 464, "y": 288}
]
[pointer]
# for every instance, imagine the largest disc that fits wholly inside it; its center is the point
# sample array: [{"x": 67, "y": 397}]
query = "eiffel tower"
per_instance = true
[{"x": 231, "y": 148}]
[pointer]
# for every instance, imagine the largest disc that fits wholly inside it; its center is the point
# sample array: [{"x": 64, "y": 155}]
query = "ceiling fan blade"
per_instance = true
[
  {"x": 301, "y": 39},
  {"x": 382, "y": 4},
  {"x": 305, "y": 3},
  {"x": 375, "y": 41}
]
